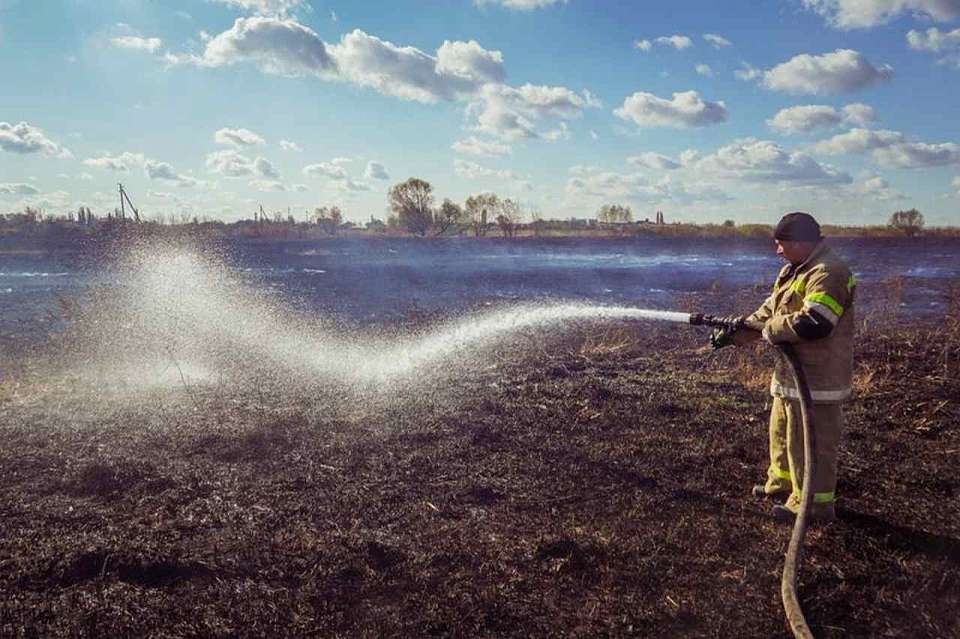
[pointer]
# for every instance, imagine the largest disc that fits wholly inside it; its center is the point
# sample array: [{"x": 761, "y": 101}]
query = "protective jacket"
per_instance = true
[{"x": 811, "y": 307}]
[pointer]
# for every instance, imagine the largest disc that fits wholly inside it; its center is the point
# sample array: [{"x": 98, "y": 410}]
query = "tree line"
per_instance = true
[{"x": 412, "y": 209}]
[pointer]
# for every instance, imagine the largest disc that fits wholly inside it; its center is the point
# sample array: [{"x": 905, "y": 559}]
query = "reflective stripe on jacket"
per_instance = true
[{"x": 811, "y": 307}]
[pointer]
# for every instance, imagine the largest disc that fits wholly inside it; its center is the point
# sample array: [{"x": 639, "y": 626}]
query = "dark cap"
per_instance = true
[{"x": 797, "y": 227}]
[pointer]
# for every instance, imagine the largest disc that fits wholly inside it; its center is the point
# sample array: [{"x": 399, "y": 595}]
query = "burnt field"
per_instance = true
[{"x": 590, "y": 484}]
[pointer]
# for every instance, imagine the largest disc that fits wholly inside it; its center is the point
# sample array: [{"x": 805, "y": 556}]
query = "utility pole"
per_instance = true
[{"x": 123, "y": 211}]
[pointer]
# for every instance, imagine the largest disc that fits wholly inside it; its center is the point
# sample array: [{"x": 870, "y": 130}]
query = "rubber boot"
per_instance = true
[
  {"x": 787, "y": 512},
  {"x": 760, "y": 492}
]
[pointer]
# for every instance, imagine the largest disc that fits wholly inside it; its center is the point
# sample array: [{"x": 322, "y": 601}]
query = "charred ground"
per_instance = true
[{"x": 594, "y": 486}]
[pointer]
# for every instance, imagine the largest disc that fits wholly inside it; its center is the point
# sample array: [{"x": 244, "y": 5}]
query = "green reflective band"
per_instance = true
[
  {"x": 799, "y": 286},
  {"x": 823, "y": 498},
  {"x": 851, "y": 283},
  {"x": 826, "y": 300},
  {"x": 780, "y": 474}
]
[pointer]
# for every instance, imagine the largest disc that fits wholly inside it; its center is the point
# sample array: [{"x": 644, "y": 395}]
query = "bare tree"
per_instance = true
[
  {"x": 328, "y": 218},
  {"x": 479, "y": 209},
  {"x": 536, "y": 221},
  {"x": 448, "y": 216},
  {"x": 910, "y": 222},
  {"x": 412, "y": 202},
  {"x": 613, "y": 213},
  {"x": 508, "y": 216}
]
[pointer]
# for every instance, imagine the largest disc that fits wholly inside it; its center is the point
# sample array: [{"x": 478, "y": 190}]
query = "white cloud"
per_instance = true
[
  {"x": 473, "y": 171},
  {"x": 349, "y": 185},
  {"x": 481, "y": 148},
  {"x": 267, "y": 186},
  {"x": 591, "y": 100},
  {"x": 510, "y": 113},
  {"x": 752, "y": 160},
  {"x": 287, "y": 145},
  {"x": 470, "y": 61},
  {"x": 156, "y": 170},
  {"x": 717, "y": 41},
  {"x": 238, "y": 138},
  {"x": 806, "y": 118},
  {"x": 859, "y": 14},
  {"x": 562, "y": 132},
  {"x": 917, "y": 155},
  {"x": 801, "y": 119},
  {"x": 593, "y": 135},
  {"x": 610, "y": 186},
  {"x": 678, "y": 42},
  {"x": 407, "y": 72},
  {"x": 748, "y": 72},
  {"x": 151, "y": 45},
  {"x": 933, "y": 40},
  {"x": 841, "y": 71},
  {"x": 18, "y": 188},
  {"x": 891, "y": 148},
  {"x": 859, "y": 114},
  {"x": 520, "y": 5},
  {"x": 643, "y": 45},
  {"x": 277, "y": 46},
  {"x": 704, "y": 70},
  {"x": 23, "y": 138},
  {"x": 123, "y": 162},
  {"x": 858, "y": 141},
  {"x": 230, "y": 163},
  {"x": 460, "y": 71},
  {"x": 877, "y": 188},
  {"x": 264, "y": 168},
  {"x": 332, "y": 170},
  {"x": 651, "y": 160},
  {"x": 375, "y": 171},
  {"x": 300, "y": 188},
  {"x": 686, "y": 109},
  {"x": 265, "y": 7}
]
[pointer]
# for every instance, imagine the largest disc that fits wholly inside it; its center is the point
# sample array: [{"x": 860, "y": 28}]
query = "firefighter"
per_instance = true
[{"x": 811, "y": 307}]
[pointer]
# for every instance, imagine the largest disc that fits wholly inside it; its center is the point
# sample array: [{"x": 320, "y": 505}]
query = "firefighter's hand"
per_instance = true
[{"x": 721, "y": 337}]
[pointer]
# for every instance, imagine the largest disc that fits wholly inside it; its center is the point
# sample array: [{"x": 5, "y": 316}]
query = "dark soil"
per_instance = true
[{"x": 597, "y": 487}]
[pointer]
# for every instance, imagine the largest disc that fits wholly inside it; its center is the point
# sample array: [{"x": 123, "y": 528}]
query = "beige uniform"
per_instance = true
[{"x": 811, "y": 307}]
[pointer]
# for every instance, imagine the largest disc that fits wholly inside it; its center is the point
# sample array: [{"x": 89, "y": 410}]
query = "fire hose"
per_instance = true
[{"x": 788, "y": 582}]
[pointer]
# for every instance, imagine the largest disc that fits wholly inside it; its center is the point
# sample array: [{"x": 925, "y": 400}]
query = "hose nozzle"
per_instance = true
[{"x": 732, "y": 322}]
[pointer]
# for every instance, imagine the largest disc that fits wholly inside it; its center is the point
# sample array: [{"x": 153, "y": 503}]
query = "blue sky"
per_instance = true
[{"x": 706, "y": 110}]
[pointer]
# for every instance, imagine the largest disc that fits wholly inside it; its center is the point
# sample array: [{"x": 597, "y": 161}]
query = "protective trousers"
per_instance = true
[{"x": 785, "y": 473}]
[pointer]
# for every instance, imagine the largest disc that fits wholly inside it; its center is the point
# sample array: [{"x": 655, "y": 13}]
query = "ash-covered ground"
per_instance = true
[{"x": 585, "y": 480}]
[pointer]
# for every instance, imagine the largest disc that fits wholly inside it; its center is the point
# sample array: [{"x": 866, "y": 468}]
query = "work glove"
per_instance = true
[{"x": 721, "y": 337}]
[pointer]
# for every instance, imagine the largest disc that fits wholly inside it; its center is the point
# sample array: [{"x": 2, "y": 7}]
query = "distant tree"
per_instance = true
[
  {"x": 449, "y": 215},
  {"x": 412, "y": 202},
  {"x": 729, "y": 223},
  {"x": 329, "y": 218},
  {"x": 508, "y": 216},
  {"x": 479, "y": 209},
  {"x": 536, "y": 220},
  {"x": 910, "y": 222},
  {"x": 375, "y": 224},
  {"x": 612, "y": 213}
]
